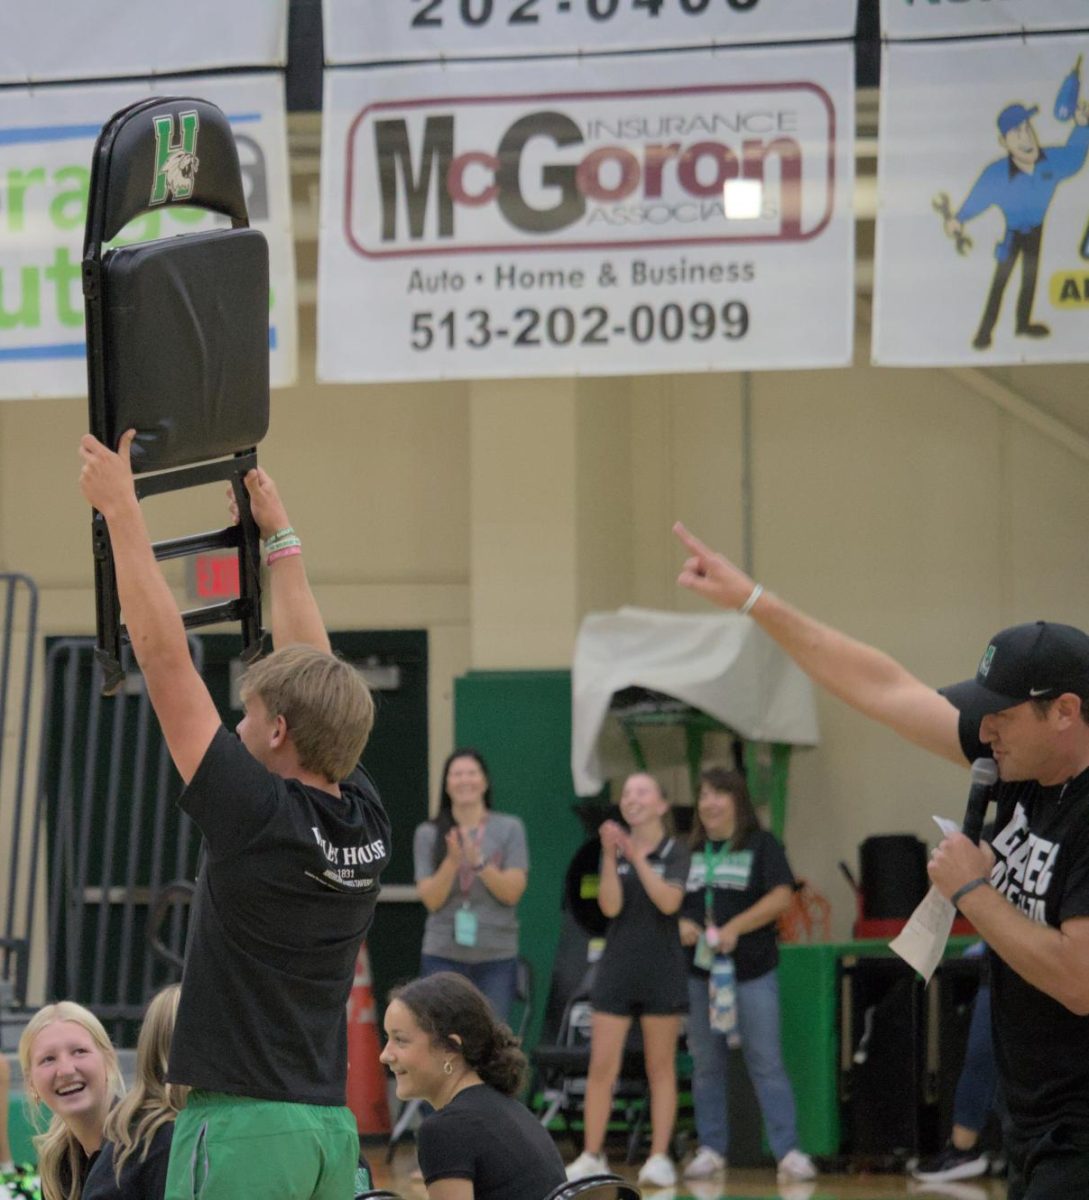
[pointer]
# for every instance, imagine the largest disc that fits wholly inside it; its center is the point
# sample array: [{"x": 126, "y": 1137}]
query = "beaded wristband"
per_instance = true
[
  {"x": 285, "y": 552},
  {"x": 281, "y": 535}
]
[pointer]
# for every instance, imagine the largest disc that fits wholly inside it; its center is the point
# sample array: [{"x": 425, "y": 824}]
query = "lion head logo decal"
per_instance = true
[{"x": 181, "y": 173}]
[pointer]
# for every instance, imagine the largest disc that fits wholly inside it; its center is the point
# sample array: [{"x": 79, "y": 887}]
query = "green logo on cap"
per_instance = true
[{"x": 986, "y": 660}]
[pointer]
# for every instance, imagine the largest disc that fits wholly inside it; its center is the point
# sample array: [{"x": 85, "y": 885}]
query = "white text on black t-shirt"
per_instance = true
[{"x": 1023, "y": 873}]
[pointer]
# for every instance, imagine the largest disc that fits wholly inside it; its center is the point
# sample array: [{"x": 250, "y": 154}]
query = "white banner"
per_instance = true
[
  {"x": 365, "y": 31},
  {"x": 545, "y": 218},
  {"x": 47, "y": 137},
  {"x": 99, "y": 39},
  {"x": 960, "y": 18},
  {"x": 982, "y": 250}
]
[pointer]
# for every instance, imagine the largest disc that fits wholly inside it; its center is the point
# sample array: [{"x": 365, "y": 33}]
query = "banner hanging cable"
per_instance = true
[{"x": 926, "y": 19}]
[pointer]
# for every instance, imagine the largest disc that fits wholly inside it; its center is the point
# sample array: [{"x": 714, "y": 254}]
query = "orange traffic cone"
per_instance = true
[{"x": 366, "y": 1075}]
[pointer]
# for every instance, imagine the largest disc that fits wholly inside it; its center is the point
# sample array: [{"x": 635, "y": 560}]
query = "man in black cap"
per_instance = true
[{"x": 1028, "y": 893}]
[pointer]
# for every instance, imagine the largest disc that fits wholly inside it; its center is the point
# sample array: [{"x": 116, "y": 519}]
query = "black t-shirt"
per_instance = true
[
  {"x": 283, "y": 902},
  {"x": 740, "y": 879},
  {"x": 1041, "y": 841},
  {"x": 641, "y": 932},
  {"x": 84, "y": 1164},
  {"x": 139, "y": 1180},
  {"x": 493, "y": 1140}
]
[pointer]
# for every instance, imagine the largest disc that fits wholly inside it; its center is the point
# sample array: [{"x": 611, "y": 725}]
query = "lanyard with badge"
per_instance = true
[
  {"x": 722, "y": 983},
  {"x": 706, "y": 946},
  {"x": 466, "y": 922}
]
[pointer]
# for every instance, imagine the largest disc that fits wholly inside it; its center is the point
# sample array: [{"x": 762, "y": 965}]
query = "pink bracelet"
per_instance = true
[{"x": 286, "y": 552}]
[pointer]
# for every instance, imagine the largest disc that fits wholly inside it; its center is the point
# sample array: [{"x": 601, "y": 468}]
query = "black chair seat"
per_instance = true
[{"x": 575, "y": 1060}]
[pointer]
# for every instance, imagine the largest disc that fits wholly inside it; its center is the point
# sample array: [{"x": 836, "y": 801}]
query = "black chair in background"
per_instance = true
[{"x": 561, "y": 1069}]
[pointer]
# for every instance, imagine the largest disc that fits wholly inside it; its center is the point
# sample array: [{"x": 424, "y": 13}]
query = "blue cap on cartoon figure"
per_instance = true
[{"x": 1013, "y": 115}]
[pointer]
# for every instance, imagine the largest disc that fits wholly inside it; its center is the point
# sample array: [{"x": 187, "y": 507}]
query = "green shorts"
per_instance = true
[{"x": 229, "y": 1147}]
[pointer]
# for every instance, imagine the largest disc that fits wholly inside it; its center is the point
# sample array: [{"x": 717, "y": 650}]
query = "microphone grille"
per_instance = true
[{"x": 984, "y": 772}]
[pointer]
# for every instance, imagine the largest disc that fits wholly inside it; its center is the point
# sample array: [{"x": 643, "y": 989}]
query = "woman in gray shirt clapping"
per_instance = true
[{"x": 471, "y": 871}]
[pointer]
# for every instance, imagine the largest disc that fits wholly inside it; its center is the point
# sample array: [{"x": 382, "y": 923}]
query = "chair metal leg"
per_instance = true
[
  {"x": 408, "y": 1114},
  {"x": 636, "y": 1117},
  {"x": 555, "y": 1103}
]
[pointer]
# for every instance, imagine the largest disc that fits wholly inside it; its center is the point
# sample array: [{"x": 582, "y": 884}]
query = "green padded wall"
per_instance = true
[{"x": 521, "y": 722}]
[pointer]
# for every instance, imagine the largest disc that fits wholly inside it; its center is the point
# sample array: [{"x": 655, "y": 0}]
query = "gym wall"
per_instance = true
[{"x": 906, "y": 507}]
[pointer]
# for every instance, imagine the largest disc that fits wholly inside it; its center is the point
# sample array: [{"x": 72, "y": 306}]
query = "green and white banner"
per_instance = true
[
  {"x": 982, "y": 252},
  {"x": 359, "y": 31},
  {"x": 46, "y": 140},
  {"x": 553, "y": 217},
  {"x": 968, "y": 18},
  {"x": 107, "y": 39}
]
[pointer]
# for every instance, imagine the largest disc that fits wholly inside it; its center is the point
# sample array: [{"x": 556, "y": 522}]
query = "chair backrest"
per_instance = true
[
  {"x": 177, "y": 329},
  {"x": 177, "y": 339},
  {"x": 579, "y": 1024},
  {"x": 596, "y": 1187}
]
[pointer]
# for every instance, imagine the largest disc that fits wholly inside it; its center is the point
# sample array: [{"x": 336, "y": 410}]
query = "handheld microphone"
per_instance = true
[{"x": 984, "y": 776}]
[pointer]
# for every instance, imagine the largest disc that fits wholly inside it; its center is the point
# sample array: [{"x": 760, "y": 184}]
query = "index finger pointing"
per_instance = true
[{"x": 691, "y": 541}]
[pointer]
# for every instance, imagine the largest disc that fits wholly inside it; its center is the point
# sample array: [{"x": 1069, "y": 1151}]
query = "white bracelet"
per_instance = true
[{"x": 754, "y": 595}]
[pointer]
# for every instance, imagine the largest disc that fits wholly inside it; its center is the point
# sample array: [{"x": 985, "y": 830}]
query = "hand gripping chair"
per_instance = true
[{"x": 177, "y": 341}]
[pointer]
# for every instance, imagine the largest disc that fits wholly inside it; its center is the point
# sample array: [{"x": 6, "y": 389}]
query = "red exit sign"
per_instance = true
[{"x": 214, "y": 577}]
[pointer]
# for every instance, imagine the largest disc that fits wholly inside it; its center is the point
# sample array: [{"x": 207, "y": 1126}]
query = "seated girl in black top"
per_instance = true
[
  {"x": 445, "y": 1046},
  {"x": 70, "y": 1066},
  {"x": 133, "y": 1162}
]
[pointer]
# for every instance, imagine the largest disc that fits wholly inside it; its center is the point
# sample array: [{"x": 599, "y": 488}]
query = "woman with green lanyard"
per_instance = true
[
  {"x": 471, "y": 871},
  {"x": 739, "y": 883}
]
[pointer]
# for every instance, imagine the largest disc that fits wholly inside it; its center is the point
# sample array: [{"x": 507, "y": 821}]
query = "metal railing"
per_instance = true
[{"x": 116, "y": 845}]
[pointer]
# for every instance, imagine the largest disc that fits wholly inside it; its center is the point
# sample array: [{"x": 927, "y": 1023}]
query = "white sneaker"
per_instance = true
[
  {"x": 658, "y": 1171},
  {"x": 705, "y": 1163},
  {"x": 587, "y": 1164},
  {"x": 796, "y": 1164}
]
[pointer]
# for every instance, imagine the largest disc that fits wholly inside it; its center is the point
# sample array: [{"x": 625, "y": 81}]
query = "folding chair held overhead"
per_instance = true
[{"x": 177, "y": 341}]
